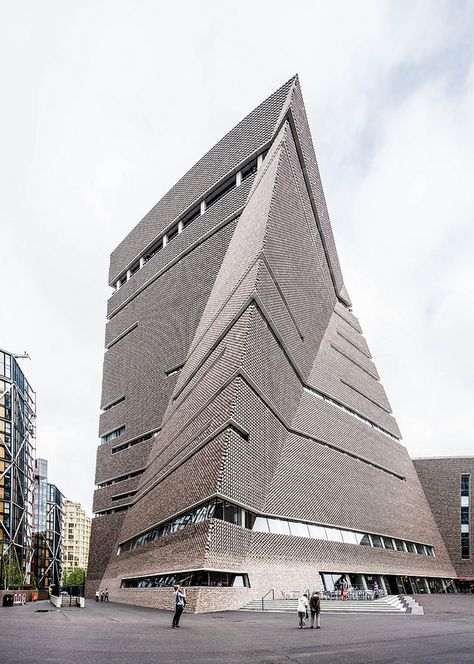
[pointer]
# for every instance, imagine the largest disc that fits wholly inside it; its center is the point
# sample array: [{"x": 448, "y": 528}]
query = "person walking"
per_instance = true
[
  {"x": 106, "y": 595},
  {"x": 180, "y": 602},
  {"x": 101, "y": 595},
  {"x": 302, "y": 610},
  {"x": 315, "y": 608},
  {"x": 97, "y": 595}
]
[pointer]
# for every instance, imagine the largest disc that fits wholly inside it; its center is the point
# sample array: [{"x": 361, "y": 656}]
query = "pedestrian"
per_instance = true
[
  {"x": 180, "y": 602},
  {"x": 106, "y": 595},
  {"x": 315, "y": 608},
  {"x": 376, "y": 590},
  {"x": 97, "y": 595},
  {"x": 302, "y": 610},
  {"x": 101, "y": 595}
]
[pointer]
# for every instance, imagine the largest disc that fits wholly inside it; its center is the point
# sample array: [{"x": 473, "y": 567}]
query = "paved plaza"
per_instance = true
[{"x": 106, "y": 633}]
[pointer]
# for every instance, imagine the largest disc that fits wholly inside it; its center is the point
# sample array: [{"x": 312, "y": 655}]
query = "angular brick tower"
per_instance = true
[{"x": 247, "y": 442}]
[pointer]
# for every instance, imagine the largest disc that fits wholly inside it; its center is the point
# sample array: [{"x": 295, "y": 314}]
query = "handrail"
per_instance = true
[{"x": 263, "y": 598}]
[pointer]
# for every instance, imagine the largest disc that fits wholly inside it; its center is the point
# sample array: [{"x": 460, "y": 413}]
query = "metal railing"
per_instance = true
[
  {"x": 353, "y": 594},
  {"x": 266, "y": 595}
]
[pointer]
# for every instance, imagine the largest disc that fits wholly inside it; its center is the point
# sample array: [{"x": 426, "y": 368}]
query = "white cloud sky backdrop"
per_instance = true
[{"x": 105, "y": 104}]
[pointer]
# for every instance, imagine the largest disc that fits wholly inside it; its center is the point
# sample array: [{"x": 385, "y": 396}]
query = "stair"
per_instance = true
[{"x": 393, "y": 604}]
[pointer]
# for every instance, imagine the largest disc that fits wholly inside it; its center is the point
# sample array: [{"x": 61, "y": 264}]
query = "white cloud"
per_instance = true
[{"x": 108, "y": 103}]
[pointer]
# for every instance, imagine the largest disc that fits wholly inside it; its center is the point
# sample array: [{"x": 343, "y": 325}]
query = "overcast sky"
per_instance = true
[{"x": 105, "y": 104}]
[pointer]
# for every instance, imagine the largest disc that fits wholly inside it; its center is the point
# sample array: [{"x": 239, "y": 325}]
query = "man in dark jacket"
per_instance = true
[{"x": 315, "y": 608}]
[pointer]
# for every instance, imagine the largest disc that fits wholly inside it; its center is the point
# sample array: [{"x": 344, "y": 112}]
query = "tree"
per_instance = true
[
  {"x": 12, "y": 576},
  {"x": 74, "y": 577}
]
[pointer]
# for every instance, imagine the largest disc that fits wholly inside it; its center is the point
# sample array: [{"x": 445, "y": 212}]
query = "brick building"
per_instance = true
[
  {"x": 247, "y": 442},
  {"x": 447, "y": 484}
]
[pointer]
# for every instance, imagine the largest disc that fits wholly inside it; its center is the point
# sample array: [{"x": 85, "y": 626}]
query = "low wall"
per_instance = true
[{"x": 41, "y": 594}]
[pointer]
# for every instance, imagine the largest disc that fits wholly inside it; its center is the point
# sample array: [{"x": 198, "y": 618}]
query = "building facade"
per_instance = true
[
  {"x": 247, "y": 442},
  {"x": 76, "y": 536},
  {"x": 17, "y": 445},
  {"x": 48, "y": 505},
  {"x": 447, "y": 483}
]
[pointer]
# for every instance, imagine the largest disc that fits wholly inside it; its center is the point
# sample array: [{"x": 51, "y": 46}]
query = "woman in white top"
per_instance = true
[{"x": 302, "y": 610}]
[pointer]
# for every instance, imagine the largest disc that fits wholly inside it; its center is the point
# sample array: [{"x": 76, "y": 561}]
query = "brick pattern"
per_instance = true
[
  {"x": 247, "y": 137},
  {"x": 254, "y": 314},
  {"x": 441, "y": 482}
]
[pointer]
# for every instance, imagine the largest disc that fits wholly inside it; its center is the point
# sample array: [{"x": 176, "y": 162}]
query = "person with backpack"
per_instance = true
[{"x": 180, "y": 602}]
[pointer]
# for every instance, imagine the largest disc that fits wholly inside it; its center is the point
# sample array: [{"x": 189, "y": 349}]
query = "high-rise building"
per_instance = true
[
  {"x": 247, "y": 442},
  {"x": 48, "y": 504},
  {"x": 76, "y": 536},
  {"x": 17, "y": 440}
]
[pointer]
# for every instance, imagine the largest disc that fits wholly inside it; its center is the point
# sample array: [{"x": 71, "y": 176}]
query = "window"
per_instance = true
[
  {"x": 191, "y": 216},
  {"x": 465, "y": 543},
  {"x": 334, "y": 535},
  {"x": 154, "y": 249},
  {"x": 299, "y": 529},
  {"x": 399, "y": 545},
  {"x": 261, "y": 525},
  {"x": 249, "y": 169},
  {"x": 279, "y": 527},
  {"x": 318, "y": 532},
  {"x": 172, "y": 233},
  {"x": 411, "y": 548},
  {"x": 221, "y": 191},
  {"x": 349, "y": 537},
  {"x": 113, "y": 434},
  {"x": 194, "y": 578},
  {"x": 377, "y": 541},
  {"x": 387, "y": 542}
]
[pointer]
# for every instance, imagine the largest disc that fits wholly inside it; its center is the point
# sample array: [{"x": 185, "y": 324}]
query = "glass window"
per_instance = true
[
  {"x": 465, "y": 485},
  {"x": 399, "y": 545},
  {"x": 158, "y": 246},
  {"x": 377, "y": 541},
  {"x": 299, "y": 529},
  {"x": 232, "y": 513},
  {"x": 365, "y": 540},
  {"x": 278, "y": 526},
  {"x": 334, "y": 535},
  {"x": 219, "y": 509},
  {"x": 349, "y": 537},
  {"x": 464, "y": 501},
  {"x": 249, "y": 169},
  {"x": 191, "y": 216},
  {"x": 172, "y": 233},
  {"x": 464, "y": 527},
  {"x": 261, "y": 525},
  {"x": 420, "y": 549},
  {"x": 465, "y": 550},
  {"x": 464, "y": 514},
  {"x": 318, "y": 532},
  {"x": 220, "y": 191},
  {"x": 411, "y": 548},
  {"x": 387, "y": 542}
]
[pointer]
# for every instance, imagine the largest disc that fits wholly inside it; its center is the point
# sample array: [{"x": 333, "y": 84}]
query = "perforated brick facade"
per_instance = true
[{"x": 235, "y": 354}]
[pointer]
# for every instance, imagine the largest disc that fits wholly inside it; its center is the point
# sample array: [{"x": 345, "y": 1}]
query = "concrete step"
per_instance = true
[{"x": 386, "y": 605}]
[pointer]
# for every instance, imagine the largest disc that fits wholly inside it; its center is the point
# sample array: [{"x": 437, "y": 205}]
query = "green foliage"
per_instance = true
[
  {"x": 12, "y": 577},
  {"x": 74, "y": 577}
]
